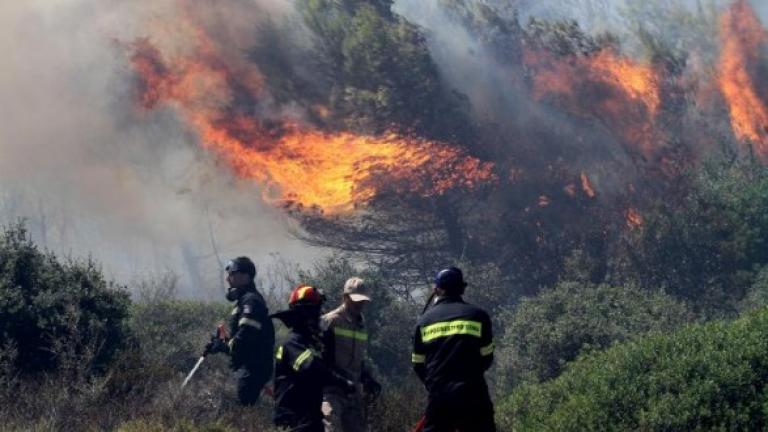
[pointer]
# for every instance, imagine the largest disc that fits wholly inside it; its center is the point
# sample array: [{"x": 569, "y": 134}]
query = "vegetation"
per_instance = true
[
  {"x": 547, "y": 332},
  {"x": 709, "y": 247},
  {"x": 52, "y": 309},
  {"x": 137, "y": 387},
  {"x": 704, "y": 377},
  {"x": 628, "y": 286}
]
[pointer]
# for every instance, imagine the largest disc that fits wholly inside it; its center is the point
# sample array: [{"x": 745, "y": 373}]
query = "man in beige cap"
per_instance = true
[{"x": 346, "y": 343}]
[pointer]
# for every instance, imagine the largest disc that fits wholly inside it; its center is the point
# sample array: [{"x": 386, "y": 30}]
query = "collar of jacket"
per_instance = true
[
  {"x": 251, "y": 287},
  {"x": 449, "y": 299},
  {"x": 348, "y": 316}
]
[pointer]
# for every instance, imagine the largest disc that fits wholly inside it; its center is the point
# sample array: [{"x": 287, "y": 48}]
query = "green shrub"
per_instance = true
[
  {"x": 52, "y": 310},
  {"x": 173, "y": 331},
  {"x": 179, "y": 426},
  {"x": 547, "y": 331},
  {"x": 707, "y": 246},
  {"x": 757, "y": 296},
  {"x": 710, "y": 376}
]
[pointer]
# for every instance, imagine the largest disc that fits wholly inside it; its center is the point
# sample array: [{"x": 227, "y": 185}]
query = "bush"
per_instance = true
[
  {"x": 548, "y": 331},
  {"x": 757, "y": 296},
  {"x": 52, "y": 310},
  {"x": 173, "y": 331},
  {"x": 706, "y": 247},
  {"x": 704, "y": 377}
]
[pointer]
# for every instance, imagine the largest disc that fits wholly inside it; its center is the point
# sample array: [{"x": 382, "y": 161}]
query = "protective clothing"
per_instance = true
[
  {"x": 239, "y": 265},
  {"x": 346, "y": 344},
  {"x": 216, "y": 345},
  {"x": 300, "y": 370},
  {"x": 253, "y": 335},
  {"x": 452, "y": 349},
  {"x": 451, "y": 279},
  {"x": 251, "y": 345}
]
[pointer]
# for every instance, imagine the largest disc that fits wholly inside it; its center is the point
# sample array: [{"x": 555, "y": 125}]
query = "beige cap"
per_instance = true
[{"x": 356, "y": 289}]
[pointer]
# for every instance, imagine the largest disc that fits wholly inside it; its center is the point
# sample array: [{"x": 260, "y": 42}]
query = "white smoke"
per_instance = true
[{"x": 93, "y": 175}]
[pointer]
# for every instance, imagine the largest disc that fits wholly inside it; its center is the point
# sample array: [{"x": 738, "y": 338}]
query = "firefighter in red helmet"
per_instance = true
[{"x": 300, "y": 371}]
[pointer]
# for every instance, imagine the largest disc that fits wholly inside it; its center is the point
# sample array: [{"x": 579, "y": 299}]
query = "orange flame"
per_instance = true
[
  {"x": 620, "y": 92},
  {"x": 634, "y": 218},
  {"x": 742, "y": 38},
  {"x": 296, "y": 166},
  {"x": 586, "y": 186}
]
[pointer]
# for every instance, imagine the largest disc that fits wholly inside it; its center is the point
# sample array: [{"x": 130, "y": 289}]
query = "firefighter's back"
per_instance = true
[{"x": 452, "y": 333}]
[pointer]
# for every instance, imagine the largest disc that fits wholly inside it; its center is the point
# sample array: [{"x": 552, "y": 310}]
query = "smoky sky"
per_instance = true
[{"x": 94, "y": 175}]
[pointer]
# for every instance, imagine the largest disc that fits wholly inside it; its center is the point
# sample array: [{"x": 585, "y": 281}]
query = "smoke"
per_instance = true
[
  {"x": 477, "y": 61},
  {"x": 761, "y": 8},
  {"x": 94, "y": 175}
]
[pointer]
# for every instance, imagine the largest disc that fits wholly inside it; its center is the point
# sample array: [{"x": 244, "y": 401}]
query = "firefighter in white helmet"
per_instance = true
[{"x": 346, "y": 343}]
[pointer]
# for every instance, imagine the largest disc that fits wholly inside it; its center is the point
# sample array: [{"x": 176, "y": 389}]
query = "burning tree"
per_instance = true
[{"x": 375, "y": 153}]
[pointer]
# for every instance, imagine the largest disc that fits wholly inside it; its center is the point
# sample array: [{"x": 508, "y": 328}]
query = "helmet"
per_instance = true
[
  {"x": 241, "y": 264},
  {"x": 451, "y": 279},
  {"x": 303, "y": 313},
  {"x": 305, "y": 295}
]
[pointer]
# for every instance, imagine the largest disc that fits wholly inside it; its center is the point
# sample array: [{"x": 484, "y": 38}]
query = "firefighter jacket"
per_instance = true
[
  {"x": 253, "y": 336},
  {"x": 346, "y": 343},
  {"x": 300, "y": 375},
  {"x": 452, "y": 345}
]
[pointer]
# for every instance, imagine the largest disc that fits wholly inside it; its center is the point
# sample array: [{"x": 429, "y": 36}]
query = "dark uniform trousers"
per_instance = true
[
  {"x": 249, "y": 386},
  {"x": 467, "y": 409},
  {"x": 453, "y": 347},
  {"x": 251, "y": 346}
]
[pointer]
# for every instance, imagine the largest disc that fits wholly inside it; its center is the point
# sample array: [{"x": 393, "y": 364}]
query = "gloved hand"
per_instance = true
[
  {"x": 216, "y": 345},
  {"x": 371, "y": 388}
]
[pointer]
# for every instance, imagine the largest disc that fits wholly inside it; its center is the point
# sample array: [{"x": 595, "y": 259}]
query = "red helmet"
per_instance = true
[{"x": 305, "y": 295}]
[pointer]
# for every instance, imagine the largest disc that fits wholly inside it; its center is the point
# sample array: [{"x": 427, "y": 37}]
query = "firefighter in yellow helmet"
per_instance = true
[{"x": 346, "y": 343}]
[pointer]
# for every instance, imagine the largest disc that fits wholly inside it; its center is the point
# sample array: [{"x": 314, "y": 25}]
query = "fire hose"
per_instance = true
[
  {"x": 221, "y": 333},
  {"x": 419, "y": 426},
  {"x": 194, "y": 369}
]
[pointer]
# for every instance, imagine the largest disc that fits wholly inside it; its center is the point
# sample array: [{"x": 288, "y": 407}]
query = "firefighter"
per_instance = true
[
  {"x": 452, "y": 349},
  {"x": 301, "y": 373},
  {"x": 252, "y": 340},
  {"x": 346, "y": 341}
]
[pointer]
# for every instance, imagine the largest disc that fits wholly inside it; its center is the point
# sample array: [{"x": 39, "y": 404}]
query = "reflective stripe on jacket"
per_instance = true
[
  {"x": 253, "y": 336},
  {"x": 300, "y": 375},
  {"x": 346, "y": 341},
  {"x": 452, "y": 345}
]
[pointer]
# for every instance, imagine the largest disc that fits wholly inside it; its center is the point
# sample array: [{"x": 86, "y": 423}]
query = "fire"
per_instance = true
[
  {"x": 634, "y": 218},
  {"x": 296, "y": 165},
  {"x": 743, "y": 37},
  {"x": 586, "y": 186},
  {"x": 620, "y": 92}
]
